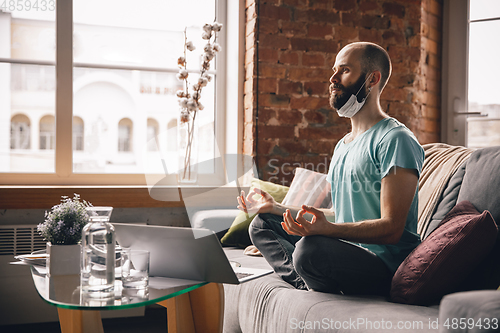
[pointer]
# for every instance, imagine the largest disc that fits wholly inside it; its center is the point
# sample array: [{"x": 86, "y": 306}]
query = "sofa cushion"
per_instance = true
[
  {"x": 237, "y": 235},
  {"x": 447, "y": 201},
  {"x": 480, "y": 186},
  {"x": 309, "y": 188},
  {"x": 442, "y": 261}
]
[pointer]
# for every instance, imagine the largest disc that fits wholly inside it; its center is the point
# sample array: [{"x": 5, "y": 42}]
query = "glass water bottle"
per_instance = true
[{"x": 98, "y": 253}]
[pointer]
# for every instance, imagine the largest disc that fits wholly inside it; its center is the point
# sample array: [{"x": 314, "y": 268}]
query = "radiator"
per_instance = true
[{"x": 20, "y": 239}]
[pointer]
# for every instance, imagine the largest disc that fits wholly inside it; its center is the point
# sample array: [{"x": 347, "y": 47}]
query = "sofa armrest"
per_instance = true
[{"x": 482, "y": 306}]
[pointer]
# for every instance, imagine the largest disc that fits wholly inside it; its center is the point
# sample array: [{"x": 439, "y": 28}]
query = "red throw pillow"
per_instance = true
[{"x": 444, "y": 259}]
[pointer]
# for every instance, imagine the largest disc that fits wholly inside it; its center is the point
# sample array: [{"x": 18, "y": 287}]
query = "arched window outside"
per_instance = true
[
  {"x": 152, "y": 133},
  {"x": 172, "y": 135},
  {"x": 20, "y": 132},
  {"x": 78, "y": 133},
  {"x": 47, "y": 133},
  {"x": 125, "y": 135}
]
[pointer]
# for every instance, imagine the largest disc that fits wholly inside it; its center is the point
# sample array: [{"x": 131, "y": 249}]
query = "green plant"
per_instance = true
[{"x": 64, "y": 223}]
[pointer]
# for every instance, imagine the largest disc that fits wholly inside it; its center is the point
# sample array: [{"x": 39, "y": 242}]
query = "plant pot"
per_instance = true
[{"x": 63, "y": 259}]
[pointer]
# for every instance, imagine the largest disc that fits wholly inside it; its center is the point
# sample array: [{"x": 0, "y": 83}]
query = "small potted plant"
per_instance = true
[{"x": 62, "y": 230}]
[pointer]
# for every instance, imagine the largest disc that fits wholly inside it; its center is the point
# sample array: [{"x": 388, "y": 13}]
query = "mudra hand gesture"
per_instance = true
[{"x": 251, "y": 205}]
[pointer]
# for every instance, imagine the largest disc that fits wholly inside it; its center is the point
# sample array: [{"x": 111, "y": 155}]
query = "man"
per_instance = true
[{"x": 374, "y": 175}]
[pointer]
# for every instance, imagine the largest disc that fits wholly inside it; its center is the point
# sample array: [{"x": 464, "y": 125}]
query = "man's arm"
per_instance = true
[{"x": 396, "y": 195}]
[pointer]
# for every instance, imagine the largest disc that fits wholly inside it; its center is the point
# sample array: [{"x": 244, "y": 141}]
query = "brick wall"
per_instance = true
[{"x": 290, "y": 48}]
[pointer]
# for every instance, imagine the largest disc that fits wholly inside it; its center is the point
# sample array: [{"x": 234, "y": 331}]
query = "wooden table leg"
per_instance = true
[
  {"x": 79, "y": 321},
  {"x": 200, "y": 310}
]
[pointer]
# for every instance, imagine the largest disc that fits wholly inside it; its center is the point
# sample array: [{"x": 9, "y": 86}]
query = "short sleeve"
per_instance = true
[{"x": 400, "y": 148}]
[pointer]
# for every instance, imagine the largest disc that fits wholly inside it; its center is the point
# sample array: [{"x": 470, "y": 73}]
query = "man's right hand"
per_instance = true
[{"x": 250, "y": 205}]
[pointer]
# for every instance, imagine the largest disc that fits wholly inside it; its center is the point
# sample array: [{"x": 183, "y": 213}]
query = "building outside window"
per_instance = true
[
  {"x": 123, "y": 83},
  {"x": 20, "y": 132}
]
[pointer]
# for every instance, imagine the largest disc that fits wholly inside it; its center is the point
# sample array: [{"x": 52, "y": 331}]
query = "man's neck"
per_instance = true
[{"x": 369, "y": 115}]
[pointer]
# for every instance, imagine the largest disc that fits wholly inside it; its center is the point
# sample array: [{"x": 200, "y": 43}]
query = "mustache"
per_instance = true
[{"x": 336, "y": 86}]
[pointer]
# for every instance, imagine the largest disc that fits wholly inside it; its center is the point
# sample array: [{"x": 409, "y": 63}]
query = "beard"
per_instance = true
[{"x": 338, "y": 100}]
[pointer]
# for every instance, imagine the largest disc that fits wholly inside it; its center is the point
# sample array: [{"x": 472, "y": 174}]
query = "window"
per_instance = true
[
  {"x": 47, "y": 133},
  {"x": 152, "y": 135},
  {"x": 471, "y": 103},
  {"x": 125, "y": 135},
  {"x": 118, "y": 80},
  {"x": 20, "y": 132},
  {"x": 78, "y": 129}
]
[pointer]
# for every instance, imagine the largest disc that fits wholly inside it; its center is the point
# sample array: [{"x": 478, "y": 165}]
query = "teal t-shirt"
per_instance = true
[{"x": 356, "y": 172}]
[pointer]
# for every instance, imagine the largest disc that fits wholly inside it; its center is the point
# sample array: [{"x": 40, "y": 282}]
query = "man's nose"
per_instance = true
[{"x": 334, "y": 78}]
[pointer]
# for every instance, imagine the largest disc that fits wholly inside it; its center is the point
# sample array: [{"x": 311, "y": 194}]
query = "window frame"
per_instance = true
[
  {"x": 229, "y": 96},
  {"x": 454, "y": 99}
]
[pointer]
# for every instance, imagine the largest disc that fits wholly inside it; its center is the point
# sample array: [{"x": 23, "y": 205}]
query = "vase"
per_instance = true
[
  {"x": 187, "y": 136},
  {"x": 63, "y": 259}
]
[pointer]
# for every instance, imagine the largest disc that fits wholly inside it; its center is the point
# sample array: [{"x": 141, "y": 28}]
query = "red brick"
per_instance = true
[
  {"x": 436, "y": 8},
  {"x": 313, "y": 59},
  {"x": 269, "y": 132},
  {"x": 265, "y": 146},
  {"x": 395, "y": 94},
  {"x": 323, "y": 4},
  {"x": 309, "y": 74},
  {"x": 345, "y": 5},
  {"x": 272, "y": 71},
  {"x": 374, "y": 22},
  {"x": 273, "y": 100},
  {"x": 434, "y": 86},
  {"x": 318, "y": 133},
  {"x": 267, "y": 85},
  {"x": 367, "y": 6},
  {"x": 430, "y": 45},
  {"x": 350, "y": 19},
  {"x": 431, "y": 125},
  {"x": 393, "y": 37},
  {"x": 266, "y": 114},
  {"x": 346, "y": 33},
  {"x": 319, "y": 30},
  {"x": 317, "y": 15},
  {"x": 295, "y": 3},
  {"x": 274, "y": 12},
  {"x": 274, "y": 41},
  {"x": 268, "y": 26},
  {"x": 269, "y": 55},
  {"x": 315, "y": 117},
  {"x": 393, "y": 9},
  {"x": 425, "y": 138},
  {"x": 430, "y": 112},
  {"x": 307, "y": 44},
  {"x": 293, "y": 147},
  {"x": 289, "y": 87},
  {"x": 289, "y": 117},
  {"x": 289, "y": 58},
  {"x": 324, "y": 147},
  {"x": 294, "y": 29},
  {"x": 316, "y": 88},
  {"x": 308, "y": 103},
  {"x": 370, "y": 35}
]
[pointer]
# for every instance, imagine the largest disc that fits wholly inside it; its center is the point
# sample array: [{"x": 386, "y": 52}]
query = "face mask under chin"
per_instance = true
[{"x": 352, "y": 106}]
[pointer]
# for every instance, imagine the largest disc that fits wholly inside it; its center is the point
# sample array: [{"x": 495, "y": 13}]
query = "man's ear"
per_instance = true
[{"x": 376, "y": 76}]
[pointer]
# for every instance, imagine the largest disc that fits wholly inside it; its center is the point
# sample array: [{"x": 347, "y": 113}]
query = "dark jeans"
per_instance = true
[{"x": 318, "y": 262}]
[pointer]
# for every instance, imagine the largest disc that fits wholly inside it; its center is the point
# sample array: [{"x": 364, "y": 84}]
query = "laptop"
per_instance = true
[{"x": 176, "y": 253}]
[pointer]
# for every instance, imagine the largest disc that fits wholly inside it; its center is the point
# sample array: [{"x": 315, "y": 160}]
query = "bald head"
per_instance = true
[{"x": 372, "y": 58}]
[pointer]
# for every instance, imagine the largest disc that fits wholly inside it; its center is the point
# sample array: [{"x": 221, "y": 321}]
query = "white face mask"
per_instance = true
[{"x": 352, "y": 106}]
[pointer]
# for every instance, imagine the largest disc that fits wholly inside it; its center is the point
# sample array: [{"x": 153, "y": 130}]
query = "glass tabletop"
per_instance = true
[{"x": 64, "y": 291}]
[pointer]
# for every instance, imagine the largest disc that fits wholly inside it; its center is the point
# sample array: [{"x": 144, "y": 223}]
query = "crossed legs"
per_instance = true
[{"x": 317, "y": 262}]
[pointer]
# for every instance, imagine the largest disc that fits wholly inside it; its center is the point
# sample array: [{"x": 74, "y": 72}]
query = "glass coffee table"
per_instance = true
[{"x": 192, "y": 306}]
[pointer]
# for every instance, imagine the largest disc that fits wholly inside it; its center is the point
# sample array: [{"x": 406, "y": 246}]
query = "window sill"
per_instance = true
[{"x": 44, "y": 197}]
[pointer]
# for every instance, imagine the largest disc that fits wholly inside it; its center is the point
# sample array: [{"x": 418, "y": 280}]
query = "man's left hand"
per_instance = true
[{"x": 318, "y": 225}]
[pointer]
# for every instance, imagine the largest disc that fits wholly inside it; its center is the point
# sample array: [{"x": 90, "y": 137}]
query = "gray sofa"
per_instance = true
[{"x": 268, "y": 304}]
